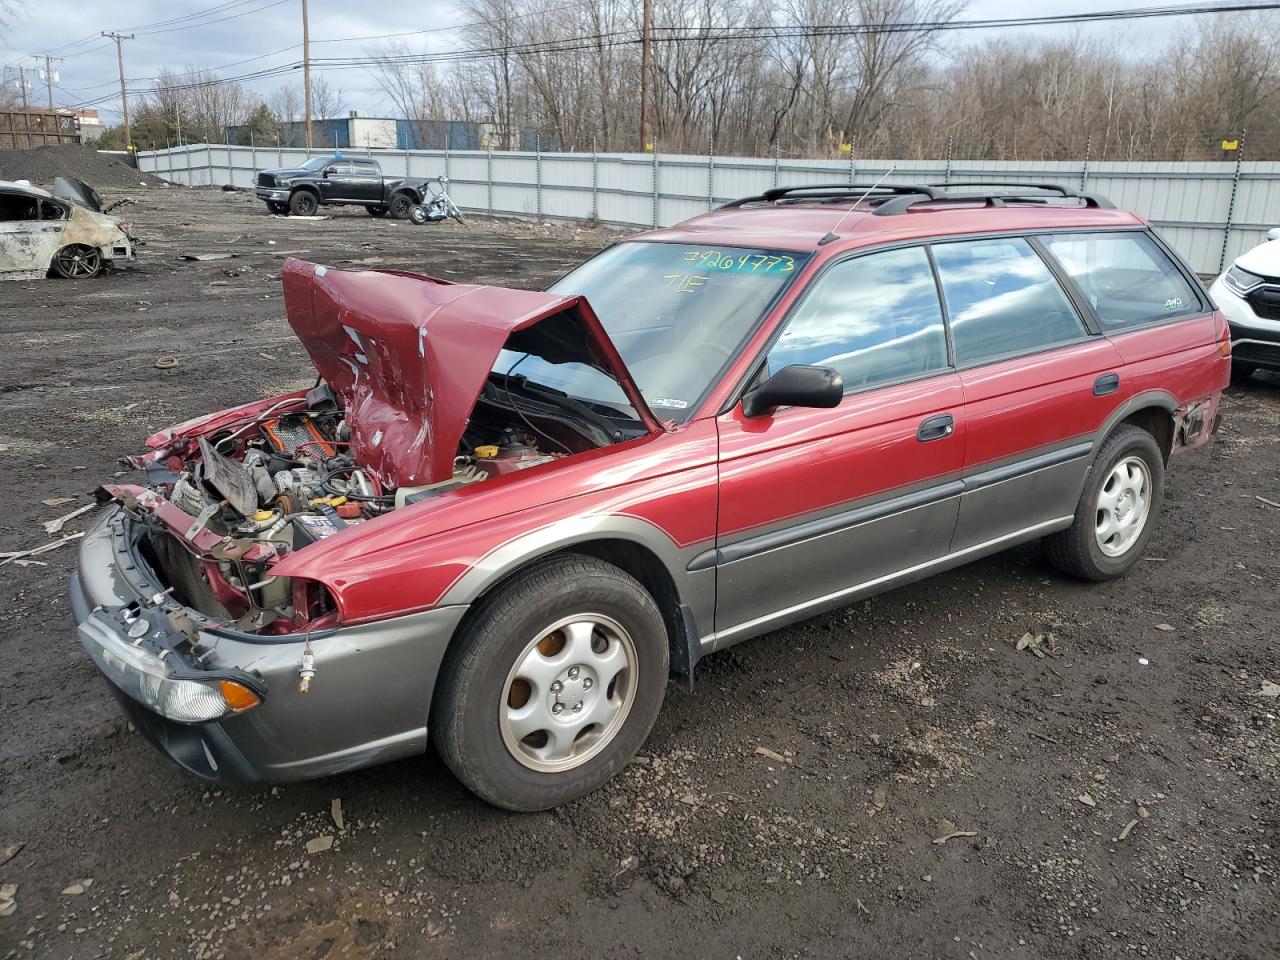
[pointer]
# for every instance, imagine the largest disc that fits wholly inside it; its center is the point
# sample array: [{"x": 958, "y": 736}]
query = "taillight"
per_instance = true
[{"x": 1224, "y": 341}]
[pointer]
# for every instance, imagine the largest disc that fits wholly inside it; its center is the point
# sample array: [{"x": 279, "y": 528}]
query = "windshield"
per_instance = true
[
  {"x": 316, "y": 163},
  {"x": 675, "y": 312}
]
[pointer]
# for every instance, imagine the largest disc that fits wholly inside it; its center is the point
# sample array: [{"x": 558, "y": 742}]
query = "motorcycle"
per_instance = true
[{"x": 438, "y": 206}]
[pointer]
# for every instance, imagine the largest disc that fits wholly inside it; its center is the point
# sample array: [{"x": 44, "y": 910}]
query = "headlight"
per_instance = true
[
  {"x": 145, "y": 677},
  {"x": 1241, "y": 281}
]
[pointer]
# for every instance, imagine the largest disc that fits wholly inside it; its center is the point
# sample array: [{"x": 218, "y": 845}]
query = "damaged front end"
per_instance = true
[{"x": 187, "y": 596}]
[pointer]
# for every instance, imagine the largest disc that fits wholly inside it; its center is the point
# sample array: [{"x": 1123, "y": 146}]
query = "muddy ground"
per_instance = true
[{"x": 901, "y": 721}]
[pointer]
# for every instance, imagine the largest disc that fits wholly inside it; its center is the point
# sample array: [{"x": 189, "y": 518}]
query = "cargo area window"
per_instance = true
[
  {"x": 1128, "y": 279},
  {"x": 875, "y": 319},
  {"x": 1002, "y": 300}
]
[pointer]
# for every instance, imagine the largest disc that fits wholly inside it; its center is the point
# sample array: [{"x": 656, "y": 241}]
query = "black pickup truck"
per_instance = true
[{"x": 339, "y": 179}]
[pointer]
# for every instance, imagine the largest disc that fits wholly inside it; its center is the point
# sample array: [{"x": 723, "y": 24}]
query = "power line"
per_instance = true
[{"x": 675, "y": 34}]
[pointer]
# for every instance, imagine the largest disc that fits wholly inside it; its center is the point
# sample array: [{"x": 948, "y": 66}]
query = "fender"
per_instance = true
[{"x": 694, "y": 589}]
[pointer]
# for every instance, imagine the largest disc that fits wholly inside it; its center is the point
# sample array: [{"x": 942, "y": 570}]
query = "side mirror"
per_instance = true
[
  {"x": 327, "y": 171},
  {"x": 795, "y": 386},
  {"x": 1273, "y": 233}
]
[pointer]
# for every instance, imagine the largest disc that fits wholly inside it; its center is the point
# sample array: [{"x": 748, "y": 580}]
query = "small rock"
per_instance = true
[
  {"x": 335, "y": 811},
  {"x": 766, "y": 752},
  {"x": 8, "y": 899},
  {"x": 1166, "y": 627},
  {"x": 74, "y": 890},
  {"x": 9, "y": 851},
  {"x": 879, "y": 797},
  {"x": 320, "y": 844},
  {"x": 1087, "y": 800},
  {"x": 689, "y": 800}
]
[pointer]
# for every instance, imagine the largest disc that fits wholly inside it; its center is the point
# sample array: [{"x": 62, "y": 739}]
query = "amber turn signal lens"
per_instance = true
[{"x": 237, "y": 695}]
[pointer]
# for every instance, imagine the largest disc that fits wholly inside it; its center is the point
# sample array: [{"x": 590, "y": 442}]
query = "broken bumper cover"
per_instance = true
[{"x": 368, "y": 702}]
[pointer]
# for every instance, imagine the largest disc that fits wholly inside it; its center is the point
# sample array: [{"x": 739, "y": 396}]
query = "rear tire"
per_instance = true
[
  {"x": 400, "y": 206},
  {"x": 303, "y": 204},
  {"x": 1117, "y": 510},
  {"x": 1241, "y": 371},
  {"x": 593, "y": 647}
]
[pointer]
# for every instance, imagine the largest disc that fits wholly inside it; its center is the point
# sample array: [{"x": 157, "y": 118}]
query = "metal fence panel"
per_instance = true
[{"x": 1190, "y": 203}]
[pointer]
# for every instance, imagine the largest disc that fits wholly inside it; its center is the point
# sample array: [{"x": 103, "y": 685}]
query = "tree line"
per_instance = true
[{"x": 569, "y": 73}]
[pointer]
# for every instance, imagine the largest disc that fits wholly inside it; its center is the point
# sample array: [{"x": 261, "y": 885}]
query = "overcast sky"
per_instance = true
[{"x": 67, "y": 28}]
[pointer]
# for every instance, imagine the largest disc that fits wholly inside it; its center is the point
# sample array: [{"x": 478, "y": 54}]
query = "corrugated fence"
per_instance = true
[{"x": 1209, "y": 212}]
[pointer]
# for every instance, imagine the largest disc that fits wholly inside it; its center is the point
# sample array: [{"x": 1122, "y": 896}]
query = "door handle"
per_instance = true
[
  {"x": 1107, "y": 383},
  {"x": 935, "y": 428}
]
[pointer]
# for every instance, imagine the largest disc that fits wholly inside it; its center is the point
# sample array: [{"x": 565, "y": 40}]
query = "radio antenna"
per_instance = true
[{"x": 833, "y": 235}]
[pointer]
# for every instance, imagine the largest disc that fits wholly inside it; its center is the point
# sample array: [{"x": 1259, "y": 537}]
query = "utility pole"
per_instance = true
[
  {"x": 644, "y": 74},
  {"x": 48, "y": 76},
  {"x": 306, "y": 70},
  {"x": 124, "y": 97},
  {"x": 22, "y": 85}
]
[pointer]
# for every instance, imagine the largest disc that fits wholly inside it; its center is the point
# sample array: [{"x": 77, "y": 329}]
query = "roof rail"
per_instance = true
[
  {"x": 839, "y": 191},
  {"x": 997, "y": 194}
]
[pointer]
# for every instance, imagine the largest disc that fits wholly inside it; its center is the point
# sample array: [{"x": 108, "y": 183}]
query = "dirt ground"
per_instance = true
[{"x": 1116, "y": 797}]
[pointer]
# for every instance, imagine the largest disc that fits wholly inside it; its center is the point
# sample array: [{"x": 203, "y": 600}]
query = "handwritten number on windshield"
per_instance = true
[{"x": 744, "y": 263}]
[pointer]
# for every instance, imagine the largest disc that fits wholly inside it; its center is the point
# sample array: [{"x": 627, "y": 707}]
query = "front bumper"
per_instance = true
[
  {"x": 1254, "y": 340},
  {"x": 368, "y": 702},
  {"x": 272, "y": 194}
]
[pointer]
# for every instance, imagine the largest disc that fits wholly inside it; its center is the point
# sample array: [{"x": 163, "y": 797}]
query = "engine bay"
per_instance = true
[{"x": 287, "y": 478}]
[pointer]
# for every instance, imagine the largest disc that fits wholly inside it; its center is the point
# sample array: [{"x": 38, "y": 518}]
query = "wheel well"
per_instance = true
[
  {"x": 631, "y": 558},
  {"x": 1158, "y": 422},
  {"x": 403, "y": 192},
  {"x": 306, "y": 189}
]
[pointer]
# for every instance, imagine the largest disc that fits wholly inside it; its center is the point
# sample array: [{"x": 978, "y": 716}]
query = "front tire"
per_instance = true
[
  {"x": 1117, "y": 510},
  {"x": 553, "y": 685},
  {"x": 303, "y": 204},
  {"x": 77, "y": 262}
]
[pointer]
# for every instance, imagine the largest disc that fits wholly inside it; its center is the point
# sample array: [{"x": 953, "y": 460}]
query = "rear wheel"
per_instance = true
[
  {"x": 1241, "y": 371},
  {"x": 303, "y": 204},
  {"x": 401, "y": 205},
  {"x": 376, "y": 209},
  {"x": 77, "y": 262},
  {"x": 553, "y": 686},
  {"x": 1114, "y": 517}
]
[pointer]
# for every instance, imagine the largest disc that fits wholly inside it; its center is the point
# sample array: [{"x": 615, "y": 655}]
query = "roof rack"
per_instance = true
[
  {"x": 841, "y": 191},
  {"x": 995, "y": 194}
]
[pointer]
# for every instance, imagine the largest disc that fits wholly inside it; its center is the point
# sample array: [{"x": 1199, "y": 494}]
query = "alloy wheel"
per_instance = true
[
  {"x": 1124, "y": 503},
  {"x": 78, "y": 262},
  {"x": 568, "y": 693}
]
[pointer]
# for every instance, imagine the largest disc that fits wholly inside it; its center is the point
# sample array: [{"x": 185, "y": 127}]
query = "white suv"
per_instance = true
[{"x": 1249, "y": 295}]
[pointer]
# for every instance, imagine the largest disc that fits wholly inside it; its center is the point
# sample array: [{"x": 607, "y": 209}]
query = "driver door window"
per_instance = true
[{"x": 876, "y": 319}]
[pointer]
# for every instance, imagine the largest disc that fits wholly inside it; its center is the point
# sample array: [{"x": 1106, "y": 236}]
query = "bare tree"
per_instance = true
[{"x": 328, "y": 101}]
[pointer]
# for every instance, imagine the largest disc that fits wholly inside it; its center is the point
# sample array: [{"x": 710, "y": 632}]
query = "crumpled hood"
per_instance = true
[{"x": 409, "y": 355}]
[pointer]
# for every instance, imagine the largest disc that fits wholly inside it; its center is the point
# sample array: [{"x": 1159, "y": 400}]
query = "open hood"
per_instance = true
[
  {"x": 77, "y": 191},
  {"x": 409, "y": 355}
]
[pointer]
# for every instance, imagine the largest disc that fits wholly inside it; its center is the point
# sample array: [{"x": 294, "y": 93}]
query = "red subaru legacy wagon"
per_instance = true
[{"x": 503, "y": 520}]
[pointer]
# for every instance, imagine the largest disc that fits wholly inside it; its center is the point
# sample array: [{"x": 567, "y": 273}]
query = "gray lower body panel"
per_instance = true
[{"x": 368, "y": 702}]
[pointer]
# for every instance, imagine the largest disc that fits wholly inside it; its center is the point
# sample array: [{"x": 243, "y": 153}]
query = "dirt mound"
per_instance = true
[{"x": 99, "y": 170}]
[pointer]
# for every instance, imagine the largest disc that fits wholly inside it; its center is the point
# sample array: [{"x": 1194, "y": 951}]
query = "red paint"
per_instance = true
[{"x": 409, "y": 354}]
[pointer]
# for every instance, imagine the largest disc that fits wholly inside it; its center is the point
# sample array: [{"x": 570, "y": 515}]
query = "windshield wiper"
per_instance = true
[{"x": 561, "y": 399}]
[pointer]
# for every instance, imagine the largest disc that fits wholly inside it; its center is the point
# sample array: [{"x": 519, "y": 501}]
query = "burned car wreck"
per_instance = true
[
  {"x": 62, "y": 232},
  {"x": 202, "y": 593}
]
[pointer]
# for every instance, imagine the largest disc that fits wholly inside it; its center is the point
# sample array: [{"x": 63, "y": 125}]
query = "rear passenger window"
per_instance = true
[
  {"x": 874, "y": 319},
  {"x": 1126, "y": 276},
  {"x": 1002, "y": 300}
]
